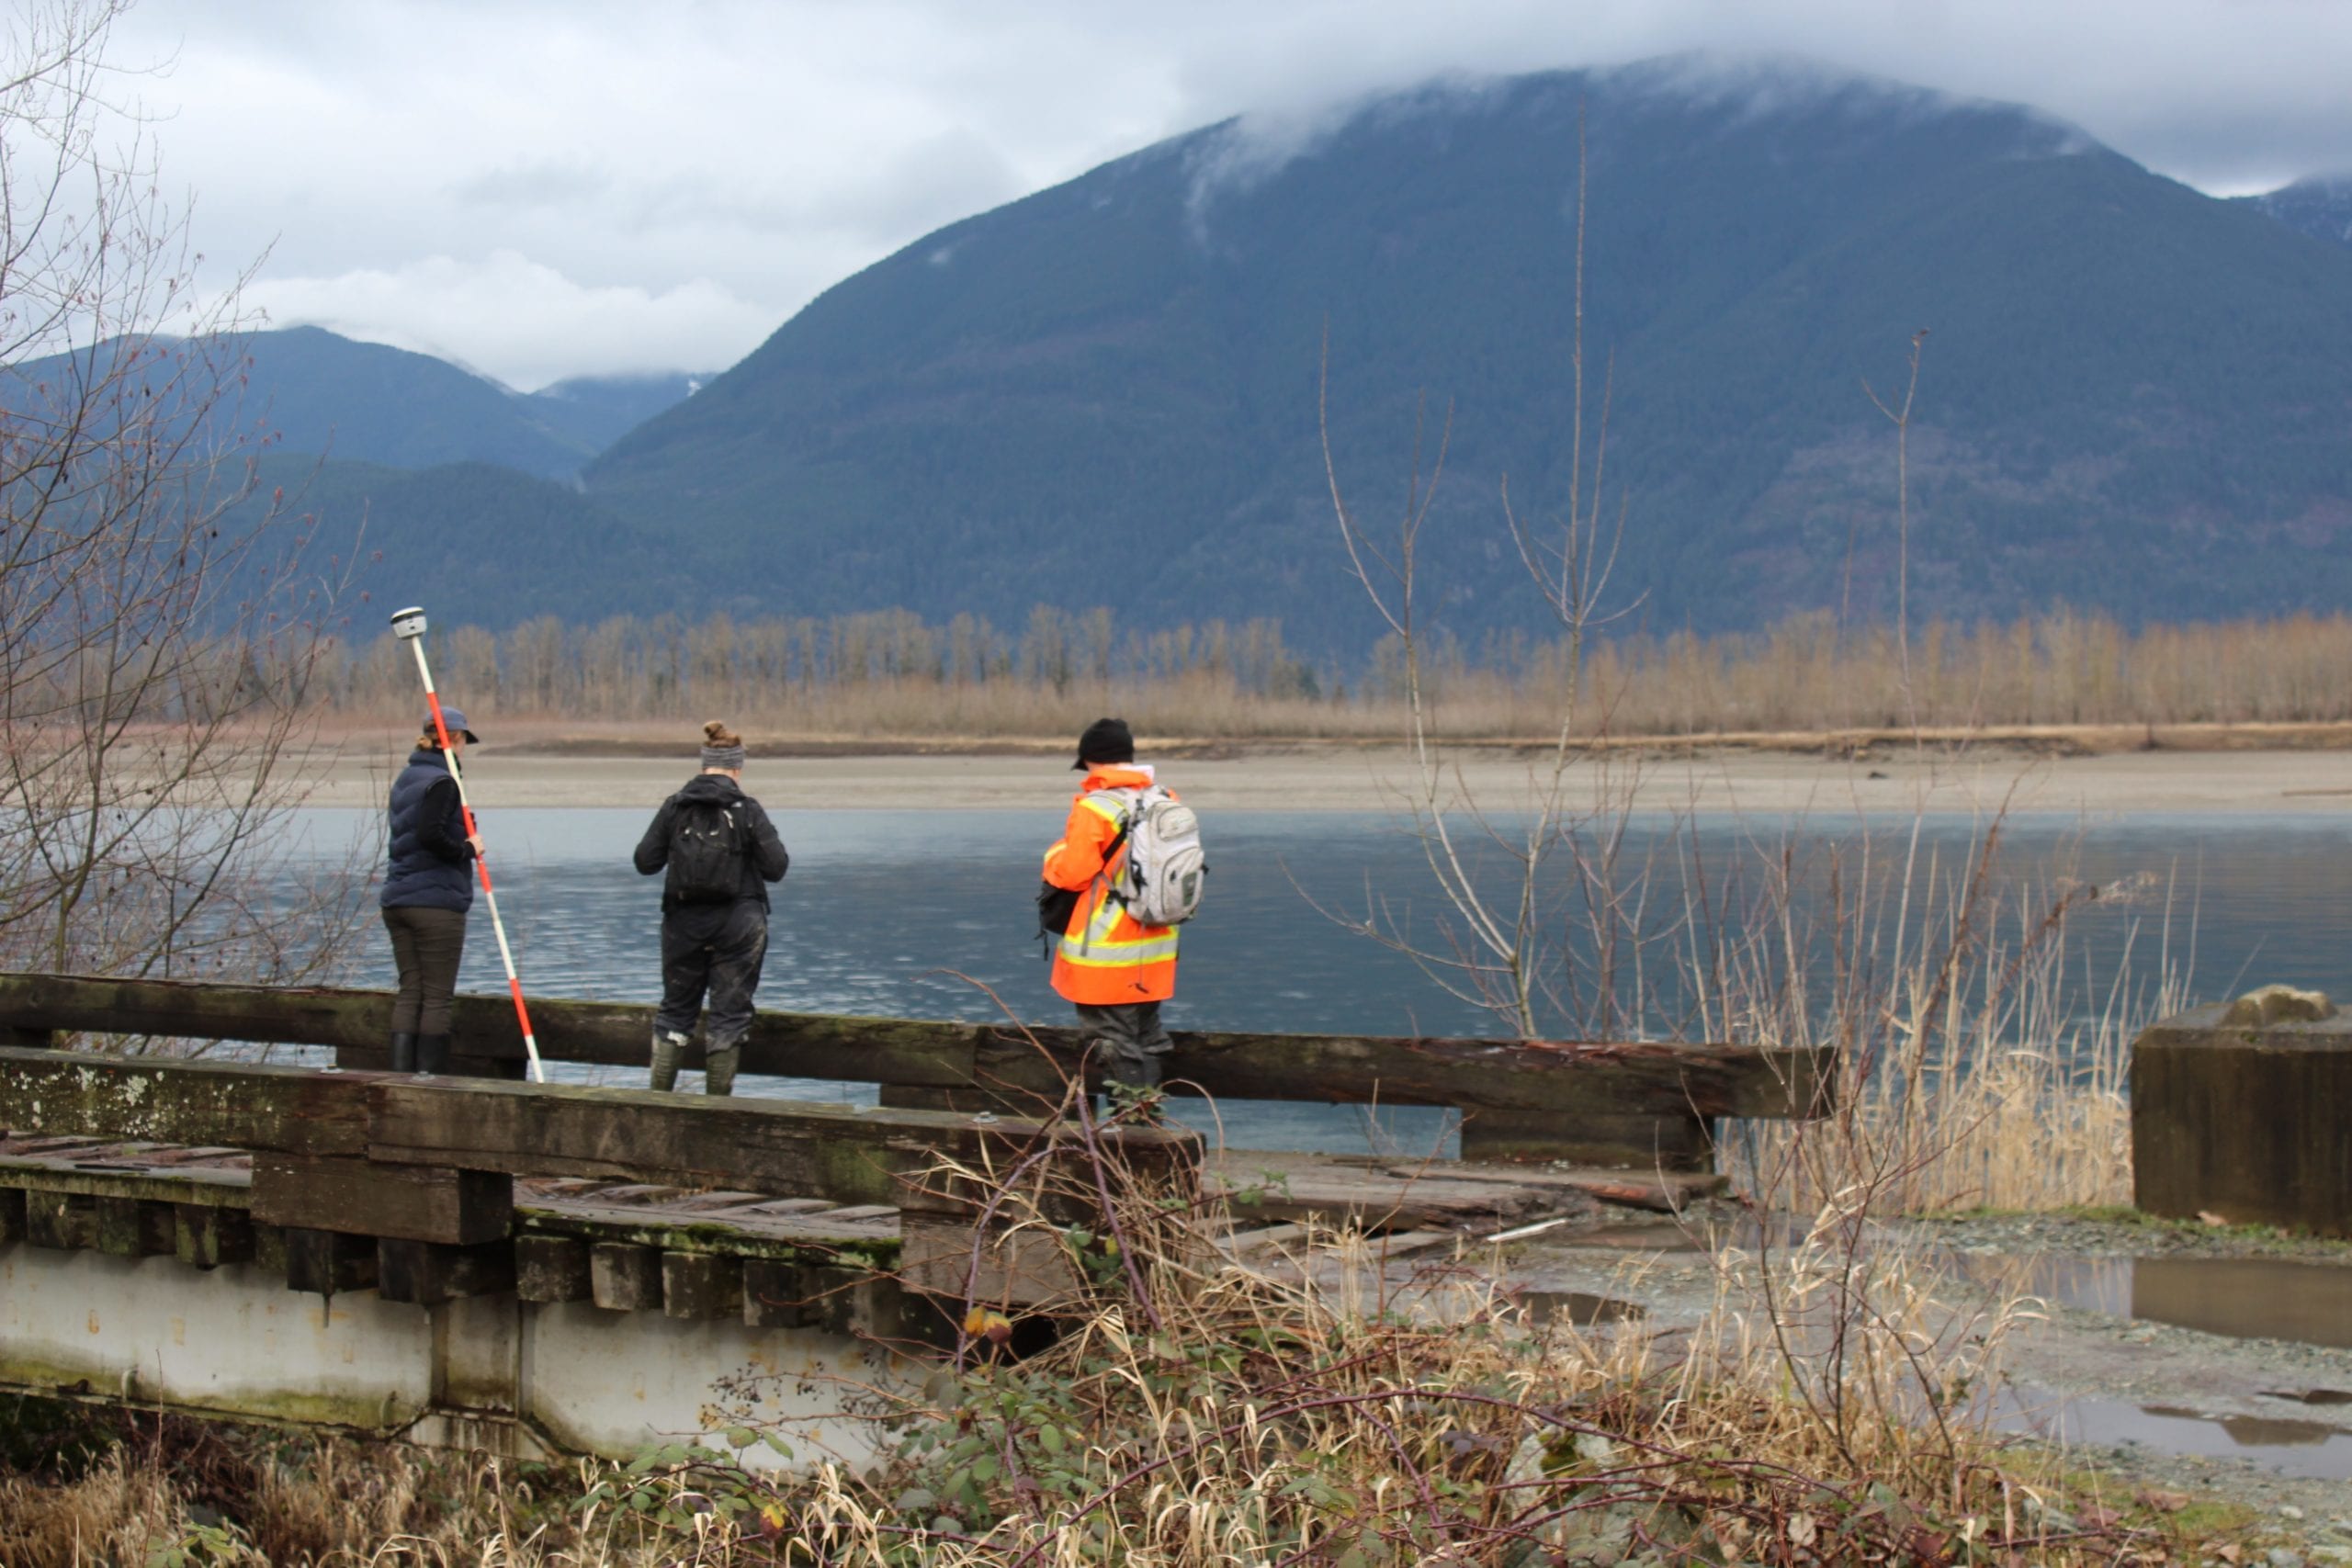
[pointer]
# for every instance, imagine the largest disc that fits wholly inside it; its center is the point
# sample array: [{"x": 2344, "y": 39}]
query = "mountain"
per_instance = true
[
  {"x": 313, "y": 392},
  {"x": 2133, "y": 397},
  {"x": 370, "y": 403},
  {"x": 596, "y": 410},
  {"x": 2320, "y": 207},
  {"x": 476, "y": 543}
]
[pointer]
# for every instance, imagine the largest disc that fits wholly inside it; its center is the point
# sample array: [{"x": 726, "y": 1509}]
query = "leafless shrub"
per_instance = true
[{"x": 157, "y": 626}]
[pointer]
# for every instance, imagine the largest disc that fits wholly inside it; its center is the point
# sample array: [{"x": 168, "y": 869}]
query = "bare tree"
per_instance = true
[
  {"x": 1899, "y": 415},
  {"x": 1516, "y": 947},
  {"x": 156, "y": 623}
]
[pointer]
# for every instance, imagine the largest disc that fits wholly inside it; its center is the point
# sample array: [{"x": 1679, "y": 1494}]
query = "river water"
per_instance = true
[{"x": 912, "y": 913}]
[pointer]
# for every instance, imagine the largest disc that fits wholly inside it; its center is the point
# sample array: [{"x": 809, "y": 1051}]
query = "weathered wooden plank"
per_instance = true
[
  {"x": 206, "y": 1235},
  {"x": 322, "y": 1263},
  {"x": 552, "y": 1268},
  {"x": 293, "y": 1110},
  {"x": 129, "y": 1227},
  {"x": 873, "y": 1243},
  {"x": 701, "y": 1285},
  {"x": 221, "y": 1186},
  {"x": 786, "y": 1148},
  {"x": 798, "y": 1045},
  {"x": 624, "y": 1279},
  {"x": 424, "y": 1204},
  {"x": 1624, "y": 1079}
]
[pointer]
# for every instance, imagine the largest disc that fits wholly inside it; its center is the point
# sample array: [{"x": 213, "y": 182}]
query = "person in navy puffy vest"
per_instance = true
[{"x": 428, "y": 887}]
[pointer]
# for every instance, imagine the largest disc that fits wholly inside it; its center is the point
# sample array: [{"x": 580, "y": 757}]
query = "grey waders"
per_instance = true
[{"x": 667, "y": 1050}]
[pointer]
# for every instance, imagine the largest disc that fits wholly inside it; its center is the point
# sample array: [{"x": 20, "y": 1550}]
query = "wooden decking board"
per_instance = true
[
  {"x": 778, "y": 1229},
  {"x": 1413, "y": 1199}
]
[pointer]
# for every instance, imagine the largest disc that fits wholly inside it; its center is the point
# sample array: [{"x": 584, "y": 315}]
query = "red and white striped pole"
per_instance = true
[{"x": 409, "y": 626}]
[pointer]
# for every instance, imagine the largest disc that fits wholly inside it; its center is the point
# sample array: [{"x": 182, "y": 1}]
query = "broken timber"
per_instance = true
[{"x": 1636, "y": 1105}]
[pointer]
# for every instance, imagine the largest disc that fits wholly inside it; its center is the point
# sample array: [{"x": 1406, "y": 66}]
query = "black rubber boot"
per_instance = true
[
  {"x": 432, "y": 1053},
  {"x": 403, "y": 1052},
  {"x": 719, "y": 1068}
]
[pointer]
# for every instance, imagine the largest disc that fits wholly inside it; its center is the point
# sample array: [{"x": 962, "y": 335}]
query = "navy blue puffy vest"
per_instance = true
[{"x": 416, "y": 878}]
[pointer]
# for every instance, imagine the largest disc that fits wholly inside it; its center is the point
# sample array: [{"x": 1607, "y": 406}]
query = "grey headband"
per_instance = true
[{"x": 722, "y": 756}]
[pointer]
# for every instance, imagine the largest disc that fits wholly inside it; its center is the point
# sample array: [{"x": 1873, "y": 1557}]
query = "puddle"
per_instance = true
[
  {"x": 1655, "y": 1235},
  {"x": 1580, "y": 1308},
  {"x": 2247, "y": 1298},
  {"x": 2307, "y": 1449}
]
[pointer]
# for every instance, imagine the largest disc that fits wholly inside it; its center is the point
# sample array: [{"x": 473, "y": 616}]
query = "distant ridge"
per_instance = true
[
  {"x": 2320, "y": 207},
  {"x": 319, "y": 393}
]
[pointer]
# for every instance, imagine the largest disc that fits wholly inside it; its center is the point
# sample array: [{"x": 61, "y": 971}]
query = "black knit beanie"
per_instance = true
[{"x": 1105, "y": 740}]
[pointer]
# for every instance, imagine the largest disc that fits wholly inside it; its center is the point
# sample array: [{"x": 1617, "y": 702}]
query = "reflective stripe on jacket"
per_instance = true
[{"x": 1106, "y": 955}]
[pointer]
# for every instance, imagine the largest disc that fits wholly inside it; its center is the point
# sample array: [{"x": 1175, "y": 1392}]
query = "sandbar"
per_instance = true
[{"x": 1897, "y": 782}]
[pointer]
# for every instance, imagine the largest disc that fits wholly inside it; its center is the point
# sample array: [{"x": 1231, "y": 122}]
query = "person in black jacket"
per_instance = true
[
  {"x": 428, "y": 887},
  {"x": 720, "y": 852}
]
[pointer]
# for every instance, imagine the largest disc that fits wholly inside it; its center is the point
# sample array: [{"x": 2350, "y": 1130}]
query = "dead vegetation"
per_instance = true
[{"x": 2056, "y": 681}]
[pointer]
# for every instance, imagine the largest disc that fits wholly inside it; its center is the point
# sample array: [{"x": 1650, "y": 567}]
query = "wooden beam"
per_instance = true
[
  {"x": 12, "y": 1213},
  {"x": 1629, "y": 1143},
  {"x": 133, "y": 1227},
  {"x": 64, "y": 1222},
  {"x": 453, "y": 1207},
  {"x": 787, "y": 1147},
  {"x": 324, "y": 1262},
  {"x": 164, "y": 1100},
  {"x": 206, "y": 1236},
  {"x": 425, "y": 1273},
  {"x": 1569, "y": 1077}
]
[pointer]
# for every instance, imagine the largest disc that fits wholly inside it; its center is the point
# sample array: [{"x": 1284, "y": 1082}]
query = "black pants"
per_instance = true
[
  {"x": 427, "y": 945},
  {"x": 717, "y": 948},
  {"x": 1129, "y": 1038}
]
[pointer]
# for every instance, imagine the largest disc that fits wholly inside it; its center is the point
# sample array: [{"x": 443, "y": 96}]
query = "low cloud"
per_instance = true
[
  {"x": 545, "y": 184},
  {"x": 689, "y": 169},
  {"x": 521, "y": 322}
]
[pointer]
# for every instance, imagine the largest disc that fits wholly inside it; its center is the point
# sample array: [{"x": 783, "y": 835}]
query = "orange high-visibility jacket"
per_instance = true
[{"x": 1107, "y": 956}]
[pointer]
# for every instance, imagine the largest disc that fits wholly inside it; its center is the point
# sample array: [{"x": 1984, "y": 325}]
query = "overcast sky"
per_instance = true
[{"x": 541, "y": 189}]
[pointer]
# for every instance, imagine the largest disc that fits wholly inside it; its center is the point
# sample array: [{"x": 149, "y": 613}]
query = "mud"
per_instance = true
[{"x": 2213, "y": 1363}]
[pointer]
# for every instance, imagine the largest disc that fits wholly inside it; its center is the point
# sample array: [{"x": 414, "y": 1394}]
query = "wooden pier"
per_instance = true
[{"x": 539, "y": 1269}]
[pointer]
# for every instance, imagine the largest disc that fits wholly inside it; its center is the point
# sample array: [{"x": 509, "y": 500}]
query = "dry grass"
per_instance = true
[
  {"x": 889, "y": 675},
  {"x": 1981, "y": 1058}
]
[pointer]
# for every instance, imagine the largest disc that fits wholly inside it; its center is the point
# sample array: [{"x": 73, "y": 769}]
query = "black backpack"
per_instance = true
[{"x": 706, "y": 854}]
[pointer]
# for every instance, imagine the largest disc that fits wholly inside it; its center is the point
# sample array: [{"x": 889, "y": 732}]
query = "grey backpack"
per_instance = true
[{"x": 1166, "y": 871}]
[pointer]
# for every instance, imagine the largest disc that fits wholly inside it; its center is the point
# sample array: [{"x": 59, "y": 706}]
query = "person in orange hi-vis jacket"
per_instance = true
[{"x": 1116, "y": 970}]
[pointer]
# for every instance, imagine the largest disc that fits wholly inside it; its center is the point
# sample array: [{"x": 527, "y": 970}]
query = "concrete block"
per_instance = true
[{"x": 2248, "y": 1121}]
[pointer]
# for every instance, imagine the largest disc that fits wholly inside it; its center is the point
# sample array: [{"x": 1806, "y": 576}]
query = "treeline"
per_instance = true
[{"x": 889, "y": 673}]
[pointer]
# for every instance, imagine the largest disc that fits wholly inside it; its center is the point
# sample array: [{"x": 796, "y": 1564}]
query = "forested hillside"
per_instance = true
[{"x": 2134, "y": 395}]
